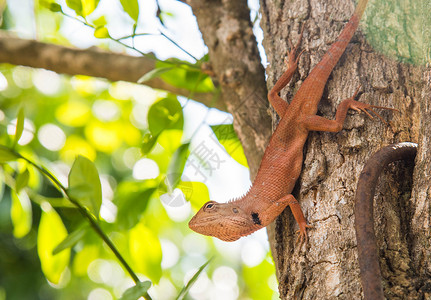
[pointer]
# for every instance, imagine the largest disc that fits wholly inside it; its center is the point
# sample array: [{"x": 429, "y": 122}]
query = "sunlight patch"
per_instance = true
[
  {"x": 47, "y": 82},
  {"x": 51, "y": 137},
  {"x": 145, "y": 169}
]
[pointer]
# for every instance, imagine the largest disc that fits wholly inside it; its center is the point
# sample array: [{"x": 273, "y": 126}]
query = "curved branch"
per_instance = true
[{"x": 92, "y": 62}]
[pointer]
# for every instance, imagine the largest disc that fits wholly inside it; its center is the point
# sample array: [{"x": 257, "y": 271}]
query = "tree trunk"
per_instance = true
[{"x": 327, "y": 267}]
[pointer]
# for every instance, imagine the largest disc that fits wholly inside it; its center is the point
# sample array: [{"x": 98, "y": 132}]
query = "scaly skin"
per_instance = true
[{"x": 282, "y": 161}]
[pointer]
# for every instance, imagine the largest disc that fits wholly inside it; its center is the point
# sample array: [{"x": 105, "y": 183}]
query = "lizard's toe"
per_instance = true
[{"x": 302, "y": 237}]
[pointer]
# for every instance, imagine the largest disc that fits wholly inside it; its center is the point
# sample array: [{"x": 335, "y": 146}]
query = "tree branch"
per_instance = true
[{"x": 92, "y": 62}]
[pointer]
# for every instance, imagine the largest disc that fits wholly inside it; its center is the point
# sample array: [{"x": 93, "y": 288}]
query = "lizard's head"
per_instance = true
[{"x": 226, "y": 221}]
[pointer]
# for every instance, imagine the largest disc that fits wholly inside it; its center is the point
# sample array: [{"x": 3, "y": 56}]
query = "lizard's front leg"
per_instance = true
[
  {"x": 277, "y": 207},
  {"x": 317, "y": 123}
]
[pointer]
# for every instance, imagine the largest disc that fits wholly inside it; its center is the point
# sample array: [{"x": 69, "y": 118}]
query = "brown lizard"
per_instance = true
[
  {"x": 282, "y": 162},
  {"x": 364, "y": 221}
]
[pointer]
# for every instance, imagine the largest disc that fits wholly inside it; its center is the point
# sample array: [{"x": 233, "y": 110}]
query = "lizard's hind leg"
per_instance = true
[
  {"x": 276, "y": 101},
  {"x": 317, "y": 123}
]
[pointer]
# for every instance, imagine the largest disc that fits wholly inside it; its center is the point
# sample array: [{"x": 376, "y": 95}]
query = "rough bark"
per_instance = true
[
  {"x": 226, "y": 30},
  {"x": 419, "y": 206},
  {"x": 92, "y": 62},
  {"x": 327, "y": 267}
]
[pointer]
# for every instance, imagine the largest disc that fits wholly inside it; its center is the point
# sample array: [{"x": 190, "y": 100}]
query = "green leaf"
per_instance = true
[
  {"x": 7, "y": 154},
  {"x": 196, "y": 192},
  {"x": 45, "y": 3},
  {"x": 227, "y": 137},
  {"x": 20, "y": 213},
  {"x": 137, "y": 291},
  {"x": 148, "y": 142},
  {"x": 2, "y": 185},
  {"x": 84, "y": 184},
  {"x": 131, "y": 7},
  {"x": 146, "y": 252},
  {"x": 186, "y": 77},
  {"x": 70, "y": 240},
  {"x": 165, "y": 114},
  {"x": 186, "y": 289},
  {"x": 100, "y": 22},
  {"x": 169, "y": 141},
  {"x": 176, "y": 165},
  {"x": 19, "y": 126},
  {"x": 88, "y": 6},
  {"x": 132, "y": 200},
  {"x": 153, "y": 74},
  {"x": 51, "y": 232},
  {"x": 54, "y": 7},
  {"x": 55, "y": 202},
  {"x": 76, "y": 5},
  {"x": 80, "y": 191},
  {"x": 22, "y": 180},
  {"x": 84, "y": 257},
  {"x": 101, "y": 33}
]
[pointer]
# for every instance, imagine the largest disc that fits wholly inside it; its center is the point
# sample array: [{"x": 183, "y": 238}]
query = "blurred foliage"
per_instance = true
[
  {"x": 229, "y": 140},
  {"x": 113, "y": 153}
]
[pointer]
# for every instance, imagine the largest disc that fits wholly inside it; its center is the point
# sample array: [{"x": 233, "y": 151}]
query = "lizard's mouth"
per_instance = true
[
  {"x": 222, "y": 229},
  {"x": 202, "y": 225}
]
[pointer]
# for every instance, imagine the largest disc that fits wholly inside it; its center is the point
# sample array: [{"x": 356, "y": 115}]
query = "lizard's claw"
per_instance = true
[
  {"x": 302, "y": 237},
  {"x": 368, "y": 109},
  {"x": 292, "y": 57}
]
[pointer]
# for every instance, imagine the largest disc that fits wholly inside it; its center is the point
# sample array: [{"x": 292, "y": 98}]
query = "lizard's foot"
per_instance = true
[
  {"x": 302, "y": 237},
  {"x": 367, "y": 108},
  {"x": 292, "y": 58}
]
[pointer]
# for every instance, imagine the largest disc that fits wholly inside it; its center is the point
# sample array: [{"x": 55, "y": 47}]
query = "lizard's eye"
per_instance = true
[
  {"x": 235, "y": 210},
  {"x": 209, "y": 205}
]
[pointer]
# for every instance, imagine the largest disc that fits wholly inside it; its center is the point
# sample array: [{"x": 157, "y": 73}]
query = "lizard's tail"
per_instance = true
[
  {"x": 313, "y": 86},
  {"x": 360, "y": 8}
]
